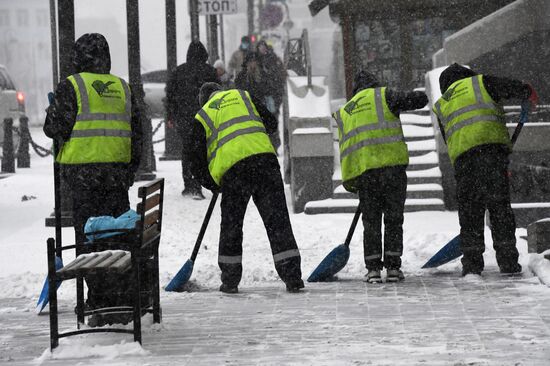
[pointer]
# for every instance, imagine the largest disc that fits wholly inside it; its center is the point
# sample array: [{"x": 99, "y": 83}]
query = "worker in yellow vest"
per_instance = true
[
  {"x": 471, "y": 120},
  {"x": 96, "y": 120},
  {"x": 234, "y": 155},
  {"x": 374, "y": 159}
]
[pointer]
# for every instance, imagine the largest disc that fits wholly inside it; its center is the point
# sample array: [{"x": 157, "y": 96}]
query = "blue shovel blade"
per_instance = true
[
  {"x": 43, "y": 298},
  {"x": 332, "y": 264},
  {"x": 181, "y": 277},
  {"x": 446, "y": 254}
]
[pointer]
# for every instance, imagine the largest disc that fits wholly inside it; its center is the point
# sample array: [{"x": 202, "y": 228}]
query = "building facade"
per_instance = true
[{"x": 25, "y": 50}]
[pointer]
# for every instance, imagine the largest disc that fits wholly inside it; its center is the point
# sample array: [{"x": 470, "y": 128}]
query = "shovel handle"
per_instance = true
[
  {"x": 523, "y": 117},
  {"x": 204, "y": 226},
  {"x": 353, "y": 226}
]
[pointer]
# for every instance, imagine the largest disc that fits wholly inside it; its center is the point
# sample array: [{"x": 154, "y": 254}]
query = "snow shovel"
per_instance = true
[
  {"x": 337, "y": 258},
  {"x": 451, "y": 250},
  {"x": 43, "y": 299},
  {"x": 183, "y": 275}
]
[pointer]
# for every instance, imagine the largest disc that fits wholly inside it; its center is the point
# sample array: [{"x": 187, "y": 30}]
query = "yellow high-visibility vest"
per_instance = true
[
  {"x": 470, "y": 117},
  {"x": 102, "y": 131},
  {"x": 370, "y": 135},
  {"x": 234, "y": 131}
]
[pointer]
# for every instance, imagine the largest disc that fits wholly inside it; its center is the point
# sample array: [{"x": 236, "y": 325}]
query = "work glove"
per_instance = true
[{"x": 533, "y": 98}]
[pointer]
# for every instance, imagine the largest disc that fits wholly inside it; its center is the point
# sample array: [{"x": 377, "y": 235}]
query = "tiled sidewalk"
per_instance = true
[{"x": 434, "y": 319}]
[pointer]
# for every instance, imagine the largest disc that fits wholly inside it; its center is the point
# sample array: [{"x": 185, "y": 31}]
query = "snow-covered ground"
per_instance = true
[{"x": 23, "y": 267}]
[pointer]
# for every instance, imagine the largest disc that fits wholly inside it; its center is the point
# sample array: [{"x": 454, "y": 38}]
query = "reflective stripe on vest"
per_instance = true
[
  {"x": 371, "y": 136},
  {"x": 102, "y": 130},
  {"x": 226, "y": 116},
  {"x": 470, "y": 117}
]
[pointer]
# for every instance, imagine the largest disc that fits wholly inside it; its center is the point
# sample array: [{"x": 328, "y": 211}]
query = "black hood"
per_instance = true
[
  {"x": 196, "y": 53},
  {"x": 364, "y": 80},
  {"x": 453, "y": 73},
  {"x": 91, "y": 54}
]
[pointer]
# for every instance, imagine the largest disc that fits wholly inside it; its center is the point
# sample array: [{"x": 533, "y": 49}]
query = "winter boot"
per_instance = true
[
  {"x": 373, "y": 276},
  {"x": 394, "y": 275},
  {"x": 229, "y": 289},
  {"x": 510, "y": 269},
  {"x": 472, "y": 263},
  {"x": 197, "y": 195},
  {"x": 294, "y": 286}
]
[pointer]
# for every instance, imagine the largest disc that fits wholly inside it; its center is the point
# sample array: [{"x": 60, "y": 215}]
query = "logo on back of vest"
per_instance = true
[
  {"x": 103, "y": 88},
  {"x": 449, "y": 93},
  {"x": 353, "y": 105},
  {"x": 216, "y": 104}
]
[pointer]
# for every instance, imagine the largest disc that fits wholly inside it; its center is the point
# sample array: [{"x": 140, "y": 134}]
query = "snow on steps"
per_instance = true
[
  {"x": 350, "y": 205},
  {"x": 414, "y": 191},
  {"x": 425, "y": 176}
]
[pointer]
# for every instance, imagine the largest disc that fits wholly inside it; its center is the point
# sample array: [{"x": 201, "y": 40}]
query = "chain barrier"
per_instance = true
[
  {"x": 39, "y": 150},
  {"x": 157, "y": 127},
  {"x": 44, "y": 152}
]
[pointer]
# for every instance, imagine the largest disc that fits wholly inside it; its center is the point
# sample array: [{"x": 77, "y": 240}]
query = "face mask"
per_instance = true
[{"x": 244, "y": 46}]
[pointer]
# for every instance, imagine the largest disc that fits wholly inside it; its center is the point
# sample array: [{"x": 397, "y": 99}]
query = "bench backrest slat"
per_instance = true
[
  {"x": 150, "y": 203},
  {"x": 150, "y": 232},
  {"x": 149, "y": 188},
  {"x": 151, "y": 218}
]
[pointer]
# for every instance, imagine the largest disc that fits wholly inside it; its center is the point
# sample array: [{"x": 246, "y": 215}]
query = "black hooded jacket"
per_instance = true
[
  {"x": 498, "y": 88},
  {"x": 398, "y": 101},
  {"x": 183, "y": 86},
  {"x": 90, "y": 54}
]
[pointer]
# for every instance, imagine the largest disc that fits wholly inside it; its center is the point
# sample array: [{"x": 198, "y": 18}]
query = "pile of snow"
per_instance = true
[
  {"x": 82, "y": 348},
  {"x": 540, "y": 266}
]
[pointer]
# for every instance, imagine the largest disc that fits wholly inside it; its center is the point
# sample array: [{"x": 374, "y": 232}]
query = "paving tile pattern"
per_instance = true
[{"x": 426, "y": 320}]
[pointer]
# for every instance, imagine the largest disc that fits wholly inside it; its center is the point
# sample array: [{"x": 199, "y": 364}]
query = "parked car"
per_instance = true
[
  {"x": 154, "y": 83},
  {"x": 12, "y": 103}
]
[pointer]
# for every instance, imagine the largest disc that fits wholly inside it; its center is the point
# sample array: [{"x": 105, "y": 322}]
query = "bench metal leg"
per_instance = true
[
  {"x": 52, "y": 294},
  {"x": 156, "y": 289},
  {"x": 79, "y": 301},
  {"x": 137, "y": 299}
]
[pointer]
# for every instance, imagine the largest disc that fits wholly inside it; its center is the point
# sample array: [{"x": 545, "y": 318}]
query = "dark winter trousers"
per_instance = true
[
  {"x": 483, "y": 184},
  {"x": 382, "y": 192},
  {"x": 258, "y": 177},
  {"x": 191, "y": 184},
  {"x": 104, "y": 290}
]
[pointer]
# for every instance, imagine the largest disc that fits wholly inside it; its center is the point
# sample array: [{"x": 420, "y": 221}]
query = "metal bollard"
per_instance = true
[
  {"x": 8, "y": 158},
  {"x": 23, "y": 156}
]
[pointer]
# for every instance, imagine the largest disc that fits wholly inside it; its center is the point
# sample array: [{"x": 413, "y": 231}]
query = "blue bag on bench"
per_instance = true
[{"x": 125, "y": 221}]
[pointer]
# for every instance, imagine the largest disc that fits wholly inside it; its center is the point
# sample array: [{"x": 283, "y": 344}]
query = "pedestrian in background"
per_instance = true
[
  {"x": 472, "y": 123},
  {"x": 182, "y": 103},
  {"x": 240, "y": 162},
  {"x": 98, "y": 163},
  {"x": 237, "y": 58},
  {"x": 272, "y": 66},
  {"x": 226, "y": 81},
  {"x": 374, "y": 160}
]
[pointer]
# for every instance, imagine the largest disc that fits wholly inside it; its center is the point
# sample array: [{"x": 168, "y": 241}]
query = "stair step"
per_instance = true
[
  {"x": 421, "y": 120},
  {"x": 417, "y": 133},
  {"x": 350, "y": 205},
  {"x": 420, "y": 191}
]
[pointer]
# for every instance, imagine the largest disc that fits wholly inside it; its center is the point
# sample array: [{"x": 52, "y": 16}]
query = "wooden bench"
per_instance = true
[{"x": 124, "y": 254}]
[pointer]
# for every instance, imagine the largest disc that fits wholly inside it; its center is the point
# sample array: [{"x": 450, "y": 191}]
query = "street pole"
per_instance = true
[
  {"x": 213, "y": 30},
  {"x": 194, "y": 15},
  {"x": 172, "y": 141},
  {"x": 250, "y": 13},
  {"x": 134, "y": 73},
  {"x": 222, "y": 39},
  {"x": 62, "y": 67}
]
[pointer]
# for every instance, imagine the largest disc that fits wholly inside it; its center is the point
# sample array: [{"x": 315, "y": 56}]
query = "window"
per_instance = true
[
  {"x": 4, "y": 18},
  {"x": 22, "y": 18}
]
